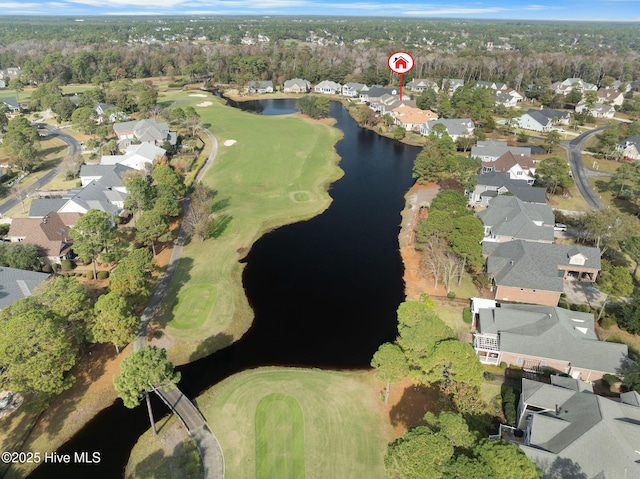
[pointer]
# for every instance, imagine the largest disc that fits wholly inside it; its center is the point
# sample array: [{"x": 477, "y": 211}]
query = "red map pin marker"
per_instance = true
[{"x": 400, "y": 63}]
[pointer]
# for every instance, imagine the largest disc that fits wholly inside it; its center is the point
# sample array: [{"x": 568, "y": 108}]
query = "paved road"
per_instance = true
[
  {"x": 73, "y": 148},
  {"x": 580, "y": 175},
  {"x": 180, "y": 405}
]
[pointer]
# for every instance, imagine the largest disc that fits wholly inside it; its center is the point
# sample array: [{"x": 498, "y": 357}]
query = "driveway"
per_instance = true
[{"x": 583, "y": 292}]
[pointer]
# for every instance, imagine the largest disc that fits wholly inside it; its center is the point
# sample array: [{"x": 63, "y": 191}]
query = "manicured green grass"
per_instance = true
[
  {"x": 255, "y": 180},
  {"x": 452, "y": 316},
  {"x": 279, "y": 438},
  {"x": 573, "y": 201},
  {"x": 345, "y": 433},
  {"x": 192, "y": 306},
  {"x": 301, "y": 196}
]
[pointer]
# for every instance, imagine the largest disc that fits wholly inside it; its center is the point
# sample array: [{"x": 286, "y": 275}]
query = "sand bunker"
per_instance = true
[
  {"x": 200, "y": 95},
  {"x": 205, "y": 103},
  {"x": 229, "y": 142}
]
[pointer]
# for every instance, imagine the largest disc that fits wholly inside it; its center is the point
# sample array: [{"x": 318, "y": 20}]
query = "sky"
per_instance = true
[{"x": 591, "y": 10}]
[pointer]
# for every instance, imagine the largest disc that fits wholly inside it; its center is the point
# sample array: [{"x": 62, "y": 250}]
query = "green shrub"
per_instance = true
[
  {"x": 563, "y": 304},
  {"x": 503, "y": 365},
  {"x": 4, "y": 229},
  {"x": 489, "y": 376},
  {"x": 47, "y": 268},
  {"x": 66, "y": 265},
  {"x": 608, "y": 321},
  {"x": 584, "y": 308},
  {"x": 610, "y": 380},
  {"x": 466, "y": 315},
  {"x": 573, "y": 307},
  {"x": 103, "y": 274},
  {"x": 89, "y": 275},
  {"x": 451, "y": 295},
  {"x": 509, "y": 405}
]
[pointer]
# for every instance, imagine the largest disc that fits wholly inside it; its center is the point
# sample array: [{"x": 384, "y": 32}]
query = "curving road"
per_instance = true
[
  {"x": 73, "y": 148},
  {"x": 580, "y": 175}
]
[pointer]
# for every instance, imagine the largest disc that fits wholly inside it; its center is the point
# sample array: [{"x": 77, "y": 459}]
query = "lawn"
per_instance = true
[
  {"x": 279, "y": 438},
  {"x": 293, "y": 423},
  {"x": 193, "y": 305},
  {"x": 256, "y": 181}
]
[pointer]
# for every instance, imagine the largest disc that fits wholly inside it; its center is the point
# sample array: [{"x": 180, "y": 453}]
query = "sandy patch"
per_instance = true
[
  {"x": 229, "y": 142},
  {"x": 205, "y": 103},
  {"x": 199, "y": 95}
]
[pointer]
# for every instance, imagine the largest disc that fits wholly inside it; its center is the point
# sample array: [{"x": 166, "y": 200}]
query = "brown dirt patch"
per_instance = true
[{"x": 416, "y": 280}]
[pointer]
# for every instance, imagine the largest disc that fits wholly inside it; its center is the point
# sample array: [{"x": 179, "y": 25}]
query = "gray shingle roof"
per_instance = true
[
  {"x": 42, "y": 206},
  {"x": 525, "y": 264},
  {"x": 519, "y": 188},
  {"x": 16, "y": 284},
  {"x": 552, "y": 332},
  {"x": 497, "y": 149},
  {"x": 510, "y": 216},
  {"x": 600, "y": 436},
  {"x": 539, "y": 117}
]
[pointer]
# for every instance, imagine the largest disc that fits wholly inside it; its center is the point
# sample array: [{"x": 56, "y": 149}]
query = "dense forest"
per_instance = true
[{"x": 239, "y": 49}]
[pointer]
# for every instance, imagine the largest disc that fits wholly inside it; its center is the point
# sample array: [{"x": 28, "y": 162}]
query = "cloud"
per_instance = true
[{"x": 19, "y": 5}]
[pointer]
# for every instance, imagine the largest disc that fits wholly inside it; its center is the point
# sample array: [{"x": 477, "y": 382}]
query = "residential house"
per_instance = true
[
  {"x": 571, "y": 432},
  {"x": 519, "y": 166},
  {"x": 565, "y": 87},
  {"x": 418, "y": 85},
  {"x": 508, "y": 218},
  {"x": 102, "y": 108},
  {"x": 109, "y": 176},
  {"x": 452, "y": 84},
  {"x": 327, "y": 87},
  {"x": 515, "y": 94},
  {"x": 3, "y": 84},
  {"x": 412, "y": 119},
  {"x": 610, "y": 96},
  {"x": 13, "y": 104},
  {"x": 260, "y": 87},
  {"x": 296, "y": 85},
  {"x": 139, "y": 157},
  {"x": 387, "y": 103},
  {"x": 93, "y": 196},
  {"x": 489, "y": 85},
  {"x": 495, "y": 183},
  {"x": 353, "y": 89},
  {"x": 630, "y": 148},
  {"x": 624, "y": 87},
  {"x": 144, "y": 131},
  {"x": 455, "y": 127},
  {"x": 544, "y": 119},
  {"x": 491, "y": 150},
  {"x": 505, "y": 99},
  {"x": 48, "y": 233},
  {"x": 598, "y": 110},
  {"x": 375, "y": 94},
  {"x": 534, "y": 272},
  {"x": 17, "y": 284},
  {"x": 540, "y": 338}
]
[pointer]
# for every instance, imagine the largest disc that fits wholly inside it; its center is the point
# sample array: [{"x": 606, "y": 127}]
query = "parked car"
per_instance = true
[{"x": 560, "y": 227}]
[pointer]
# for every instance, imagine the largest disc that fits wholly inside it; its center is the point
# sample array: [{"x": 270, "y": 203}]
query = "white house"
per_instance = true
[
  {"x": 455, "y": 127},
  {"x": 138, "y": 157},
  {"x": 534, "y": 120},
  {"x": 327, "y": 87},
  {"x": 353, "y": 89},
  {"x": 599, "y": 110}
]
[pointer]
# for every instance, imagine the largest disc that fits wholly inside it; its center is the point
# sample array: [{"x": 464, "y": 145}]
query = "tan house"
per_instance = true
[
  {"x": 297, "y": 85},
  {"x": 49, "y": 233},
  {"x": 538, "y": 338},
  {"x": 412, "y": 119},
  {"x": 533, "y": 272},
  {"x": 610, "y": 96}
]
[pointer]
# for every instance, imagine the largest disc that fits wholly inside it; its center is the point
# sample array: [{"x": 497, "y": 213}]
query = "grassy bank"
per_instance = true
[
  {"x": 341, "y": 431},
  {"x": 277, "y": 172}
]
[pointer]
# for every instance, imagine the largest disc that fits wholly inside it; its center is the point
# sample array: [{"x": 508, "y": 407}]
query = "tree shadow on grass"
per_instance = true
[
  {"x": 88, "y": 370},
  {"x": 184, "y": 461},
  {"x": 163, "y": 314},
  {"x": 220, "y": 225},
  {"x": 414, "y": 403},
  {"x": 211, "y": 345}
]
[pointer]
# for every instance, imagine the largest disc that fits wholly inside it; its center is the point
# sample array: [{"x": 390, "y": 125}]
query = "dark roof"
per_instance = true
[
  {"x": 531, "y": 265},
  {"x": 42, "y": 206},
  {"x": 519, "y": 188},
  {"x": 378, "y": 91},
  {"x": 551, "y": 113},
  {"x": 539, "y": 117},
  {"x": 510, "y": 216},
  {"x": 16, "y": 284},
  {"x": 553, "y": 333}
]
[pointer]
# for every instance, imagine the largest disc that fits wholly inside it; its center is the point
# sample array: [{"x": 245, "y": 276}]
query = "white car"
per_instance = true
[{"x": 560, "y": 227}]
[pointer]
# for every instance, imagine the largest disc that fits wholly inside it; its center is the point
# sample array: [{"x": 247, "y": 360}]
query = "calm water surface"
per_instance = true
[{"x": 324, "y": 291}]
